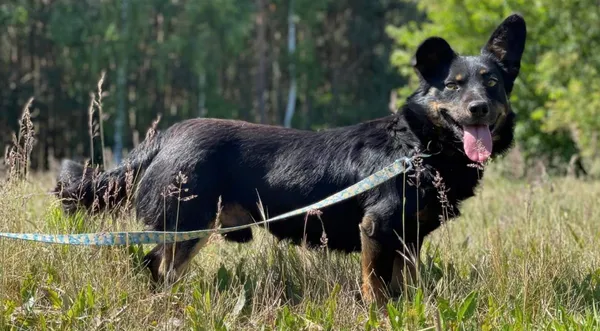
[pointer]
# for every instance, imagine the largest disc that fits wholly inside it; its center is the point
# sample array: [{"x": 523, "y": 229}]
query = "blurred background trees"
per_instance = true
[
  {"x": 232, "y": 59},
  {"x": 182, "y": 59}
]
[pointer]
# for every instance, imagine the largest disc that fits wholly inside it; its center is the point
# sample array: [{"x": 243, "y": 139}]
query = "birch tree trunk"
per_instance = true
[
  {"x": 122, "y": 84},
  {"x": 291, "y": 105}
]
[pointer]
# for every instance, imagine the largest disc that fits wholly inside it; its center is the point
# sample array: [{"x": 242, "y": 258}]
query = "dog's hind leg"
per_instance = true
[
  {"x": 169, "y": 262},
  {"x": 172, "y": 200}
]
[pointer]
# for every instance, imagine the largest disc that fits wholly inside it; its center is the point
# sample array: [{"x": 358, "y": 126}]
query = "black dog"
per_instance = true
[{"x": 460, "y": 114}]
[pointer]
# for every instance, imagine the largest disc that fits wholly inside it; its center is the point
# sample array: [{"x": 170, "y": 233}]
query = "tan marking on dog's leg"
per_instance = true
[
  {"x": 376, "y": 264},
  {"x": 234, "y": 215},
  {"x": 176, "y": 257}
]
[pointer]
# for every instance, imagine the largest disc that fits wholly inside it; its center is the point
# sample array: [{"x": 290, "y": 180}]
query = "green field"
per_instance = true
[{"x": 524, "y": 255}]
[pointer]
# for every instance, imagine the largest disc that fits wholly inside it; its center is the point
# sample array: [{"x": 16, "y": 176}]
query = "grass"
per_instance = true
[{"x": 523, "y": 256}]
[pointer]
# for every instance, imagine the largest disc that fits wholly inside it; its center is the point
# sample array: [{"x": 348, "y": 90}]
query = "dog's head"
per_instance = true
[{"x": 469, "y": 95}]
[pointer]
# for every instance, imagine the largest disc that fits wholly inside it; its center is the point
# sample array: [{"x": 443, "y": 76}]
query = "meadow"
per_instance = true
[{"x": 524, "y": 255}]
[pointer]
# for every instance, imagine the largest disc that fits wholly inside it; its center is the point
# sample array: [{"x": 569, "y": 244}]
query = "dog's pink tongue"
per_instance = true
[{"x": 477, "y": 141}]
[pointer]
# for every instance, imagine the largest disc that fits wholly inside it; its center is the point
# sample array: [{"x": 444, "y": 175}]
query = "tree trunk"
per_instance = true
[
  {"x": 121, "y": 85},
  {"x": 291, "y": 105},
  {"x": 307, "y": 103},
  {"x": 202, "y": 94}
]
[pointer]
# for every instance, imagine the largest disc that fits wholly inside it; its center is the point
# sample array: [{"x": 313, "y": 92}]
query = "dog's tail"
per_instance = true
[{"x": 80, "y": 186}]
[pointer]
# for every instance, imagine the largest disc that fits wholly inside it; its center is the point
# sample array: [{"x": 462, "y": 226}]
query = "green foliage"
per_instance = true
[
  {"x": 82, "y": 306},
  {"x": 187, "y": 59},
  {"x": 556, "y": 95},
  {"x": 58, "y": 222},
  {"x": 453, "y": 315}
]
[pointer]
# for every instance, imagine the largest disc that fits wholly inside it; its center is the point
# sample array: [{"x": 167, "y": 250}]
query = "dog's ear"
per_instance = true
[
  {"x": 506, "y": 45},
  {"x": 433, "y": 57}
]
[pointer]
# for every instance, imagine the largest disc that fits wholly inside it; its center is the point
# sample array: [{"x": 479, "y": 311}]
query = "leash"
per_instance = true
[{"x": 399, "y": 166}]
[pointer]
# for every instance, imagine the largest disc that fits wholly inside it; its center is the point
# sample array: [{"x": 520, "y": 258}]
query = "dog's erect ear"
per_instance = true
[
  {"x": 506, "y": 45},
  {"x": 432, "y": 58}
]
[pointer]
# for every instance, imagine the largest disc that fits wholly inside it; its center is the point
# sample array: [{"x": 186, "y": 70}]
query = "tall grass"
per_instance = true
[{"x": 523, "y": 256}]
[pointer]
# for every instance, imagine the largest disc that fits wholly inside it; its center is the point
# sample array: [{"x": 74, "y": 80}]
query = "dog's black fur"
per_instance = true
[{"x": 286, "y": 169}]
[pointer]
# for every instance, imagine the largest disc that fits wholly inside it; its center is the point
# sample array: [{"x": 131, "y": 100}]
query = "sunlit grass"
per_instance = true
[{"x": 522, "y": 256}]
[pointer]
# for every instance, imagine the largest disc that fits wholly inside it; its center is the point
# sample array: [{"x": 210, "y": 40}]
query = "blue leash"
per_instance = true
[{"x": 156, "y": 237}]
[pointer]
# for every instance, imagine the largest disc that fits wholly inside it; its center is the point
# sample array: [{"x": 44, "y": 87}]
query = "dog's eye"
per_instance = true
[
  {"x": 492, "y": 82},
  {"x": 452, "y": 86}
]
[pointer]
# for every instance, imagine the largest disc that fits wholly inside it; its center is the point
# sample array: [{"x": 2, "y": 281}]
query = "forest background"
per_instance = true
[{"x": 300, "y": 63}]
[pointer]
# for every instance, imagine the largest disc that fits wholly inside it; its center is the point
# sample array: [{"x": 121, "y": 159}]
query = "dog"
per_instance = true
[{"x": 460, "y": 114}]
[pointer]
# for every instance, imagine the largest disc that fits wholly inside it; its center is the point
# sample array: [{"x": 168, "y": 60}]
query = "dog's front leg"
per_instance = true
[
  {"x": 405, "y": 271},
  {"x": 377, "y": 262}
]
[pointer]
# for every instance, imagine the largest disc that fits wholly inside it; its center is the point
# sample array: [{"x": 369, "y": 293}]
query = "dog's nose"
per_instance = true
[{"x": 479, "y": 108}]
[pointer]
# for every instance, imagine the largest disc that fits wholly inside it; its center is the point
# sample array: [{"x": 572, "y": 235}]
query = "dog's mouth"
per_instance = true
[{"x": 476, "y": 138}]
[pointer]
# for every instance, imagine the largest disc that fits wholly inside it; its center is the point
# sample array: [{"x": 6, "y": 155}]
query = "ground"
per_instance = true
[{"x": 524, "y": 255}]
